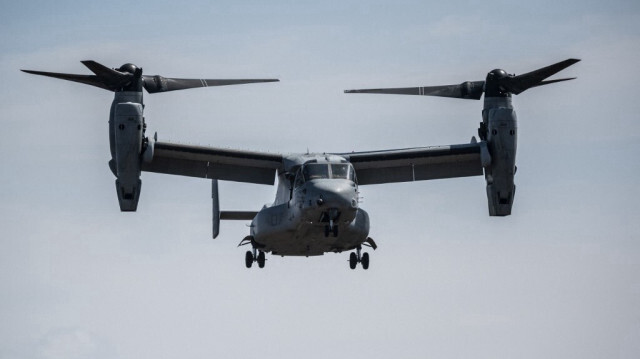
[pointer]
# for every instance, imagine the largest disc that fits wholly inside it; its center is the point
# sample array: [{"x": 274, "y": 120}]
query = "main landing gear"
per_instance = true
[
  {"x": 355, "y": 258},
  {"x": 251, "y": 257}
]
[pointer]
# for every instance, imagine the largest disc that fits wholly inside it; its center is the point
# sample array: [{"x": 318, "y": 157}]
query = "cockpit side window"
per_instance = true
[
  {"x": 343, "y": 171},
  {"x": 352, "y": 174},
  {"x": 340, "y": 171}
]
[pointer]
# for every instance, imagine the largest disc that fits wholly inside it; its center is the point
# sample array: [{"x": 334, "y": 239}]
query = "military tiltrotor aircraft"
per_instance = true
[{"x": 316, "y": 209}]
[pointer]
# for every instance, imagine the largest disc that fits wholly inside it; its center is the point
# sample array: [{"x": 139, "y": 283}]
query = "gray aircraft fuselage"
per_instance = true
[{"x": 315, "y": 211}]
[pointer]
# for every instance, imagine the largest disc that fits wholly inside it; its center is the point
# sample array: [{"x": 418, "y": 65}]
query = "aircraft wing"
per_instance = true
[
  {"x": 216, "y": 163},
  {"x": 417, "y": 164}
]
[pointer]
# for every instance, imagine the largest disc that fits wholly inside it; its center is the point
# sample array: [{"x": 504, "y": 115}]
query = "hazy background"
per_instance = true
[{"x": 559, "y": 278}]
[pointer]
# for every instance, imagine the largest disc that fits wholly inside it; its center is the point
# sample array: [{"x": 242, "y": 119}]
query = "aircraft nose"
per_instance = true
[{"x": 334, "y": 194}]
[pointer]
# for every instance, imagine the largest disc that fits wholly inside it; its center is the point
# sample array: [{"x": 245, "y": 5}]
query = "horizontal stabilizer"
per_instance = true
[{"x": 238, "y": 215}]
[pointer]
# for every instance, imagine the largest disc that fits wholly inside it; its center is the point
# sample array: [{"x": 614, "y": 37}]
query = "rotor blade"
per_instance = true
[
  {"x": 92, "y": 80},
  {"x": 465, "y": 90},
  {"x": 158, "y": 83},
  {"x": 100, "y": 69},
  {"x": 390, "y": 91},
  {"x": 553, "y": 81},
  {"x": 111, "y": 78},
  {"x": 520, "y": 83}
]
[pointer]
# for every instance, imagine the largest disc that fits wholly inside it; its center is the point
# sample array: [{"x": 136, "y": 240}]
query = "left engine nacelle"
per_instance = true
[{"x": 128, "y": 123}]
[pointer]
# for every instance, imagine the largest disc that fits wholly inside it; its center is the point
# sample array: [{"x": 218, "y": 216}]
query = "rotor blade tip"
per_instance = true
[{"x": 572, "y": 61}]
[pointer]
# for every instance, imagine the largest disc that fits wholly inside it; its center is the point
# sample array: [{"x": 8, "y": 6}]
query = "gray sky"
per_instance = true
[{"x": 556, "y": 279}]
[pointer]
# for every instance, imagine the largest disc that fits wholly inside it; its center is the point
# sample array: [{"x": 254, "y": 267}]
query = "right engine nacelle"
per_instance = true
[
  {"x": 501, "y": 136},
  {"x": 128, "y": 131}
]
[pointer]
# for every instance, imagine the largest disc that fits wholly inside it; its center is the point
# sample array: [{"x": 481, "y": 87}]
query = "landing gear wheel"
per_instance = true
[
  {"x": 365, "y": 261},
  {"x": 359, "y": 257},
  {"x": 248, "y": 259},
  {"x": 261, "y": 259},
  {"x": 353, "y": 260}
]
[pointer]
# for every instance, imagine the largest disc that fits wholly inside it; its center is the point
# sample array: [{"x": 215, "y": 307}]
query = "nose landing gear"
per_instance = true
[
  {"x": 357, "y": 257},
  {"x": 331, "y": 228},
  {"x": 331, "y": 216}
]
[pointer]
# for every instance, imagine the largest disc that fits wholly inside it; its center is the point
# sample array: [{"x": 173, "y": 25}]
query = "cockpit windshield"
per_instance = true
[
  {"x": 315, "y": 171},
  {"x": 312, "y": 171}
]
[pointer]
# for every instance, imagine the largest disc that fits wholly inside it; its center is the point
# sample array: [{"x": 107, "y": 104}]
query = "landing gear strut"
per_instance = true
[
  {"x": 331, "y": 228},
  {"x": 252, "y": 256},
  {"x": 357, "y": 257},
  {"x": 332, "y": 216}
]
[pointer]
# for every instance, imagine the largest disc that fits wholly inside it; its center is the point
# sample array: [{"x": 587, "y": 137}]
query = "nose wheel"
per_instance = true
[
  {"x": 358, "y": 257},
  {"x": 331, "y": 216}
]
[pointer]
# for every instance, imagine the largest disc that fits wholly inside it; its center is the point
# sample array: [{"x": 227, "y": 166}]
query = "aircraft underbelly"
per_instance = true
[{"x": 284, "y": 231}]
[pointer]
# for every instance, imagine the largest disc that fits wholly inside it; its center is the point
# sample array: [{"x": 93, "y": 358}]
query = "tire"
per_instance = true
[
  {"x": 248, "y": 259},
  {"x": 365, "y": 261},
  {"x": 353, "y": 260},
  {"x": 261, "y": 259}
]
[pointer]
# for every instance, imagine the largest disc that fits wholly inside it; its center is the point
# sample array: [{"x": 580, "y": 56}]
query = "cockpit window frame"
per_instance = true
[{"x": 299, "y": 181}]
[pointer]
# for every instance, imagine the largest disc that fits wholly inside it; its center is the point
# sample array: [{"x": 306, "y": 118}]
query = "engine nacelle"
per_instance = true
[
  {"x": 128, "y": 132},
  {"x": 501, "y": 132}
]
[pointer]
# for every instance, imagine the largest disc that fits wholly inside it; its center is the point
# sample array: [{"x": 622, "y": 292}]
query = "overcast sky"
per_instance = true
[{"x": 559, "y": 278}]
